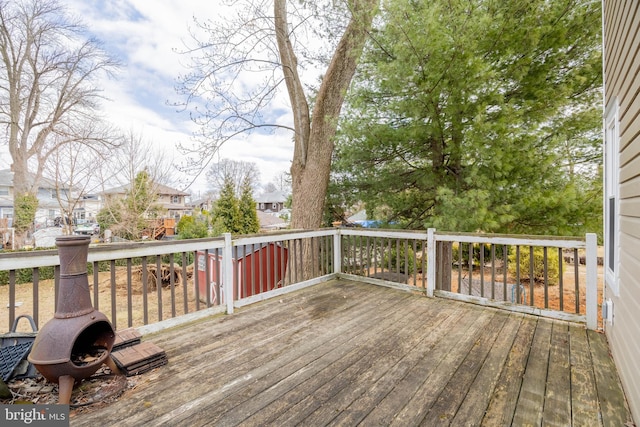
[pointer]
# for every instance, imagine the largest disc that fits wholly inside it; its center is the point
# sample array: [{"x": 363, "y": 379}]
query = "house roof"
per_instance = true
[
  {"x": 273, "y": 197},
  {"x": 270, "y": 221},
  {"x": 6, "y": 180},
  {"x": 160, "y": 189}
]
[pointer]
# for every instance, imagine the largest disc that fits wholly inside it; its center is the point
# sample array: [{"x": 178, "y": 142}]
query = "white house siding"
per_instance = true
[{"x": 622, "y": 84}]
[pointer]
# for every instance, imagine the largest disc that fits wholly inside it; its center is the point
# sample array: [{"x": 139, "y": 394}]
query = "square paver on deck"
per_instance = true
[{"x": 347, "y": 353}]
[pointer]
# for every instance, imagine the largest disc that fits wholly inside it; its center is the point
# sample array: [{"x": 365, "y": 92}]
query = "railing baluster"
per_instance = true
[
  {"x": 493, "y": 271},
  {"x": 361, "y": 250},
  {"x": 172, "y": 284},
  {"x": 145, "y": 290},
  {"x": 576, "y": 269},
  {"x": 415, "y": 263},
  {"x": 36, "y": 285},
  {"x": 96, "y": 284},
  {"x": 517, "y": 284},
  {"x": 270, "y": 282},
  {"x": 196, "y": 278},
  {"x": 398, "y": 254},
  {"x": 481, "y": 270},
  {"x": 470, "y": 268},
  {"x": 505, "y": 269},
  {"x": 531, "y": 275},
  {"x": 375, "y": 256},
  {"x": 159, "y": 285},
  {"x": 129, "y": 295},
  {"x": 217, "y": 285},
  {"x": 460, "y": 262},
  {"x": 112, "y": 284},
  {"x": 546, "y": 277},
  {"x": 12, "y": 297},
  {"x": 185, "y": 298},
  {"x": 560, "y": 279},
  {"x": 207, "y": 277}
]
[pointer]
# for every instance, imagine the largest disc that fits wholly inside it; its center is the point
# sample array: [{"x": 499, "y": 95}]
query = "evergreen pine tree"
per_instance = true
[
  {"x": 226, "y": 213},
  {"x": 248, "y": 214},
  {"x": 473, "y": 115}
]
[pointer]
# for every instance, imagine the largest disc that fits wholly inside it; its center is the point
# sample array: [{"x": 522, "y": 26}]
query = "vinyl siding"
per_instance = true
[{"x": 622, "y": 66}]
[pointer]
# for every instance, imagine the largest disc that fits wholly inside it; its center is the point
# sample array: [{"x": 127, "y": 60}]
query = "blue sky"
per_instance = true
[{"x": 143, "y": 35}]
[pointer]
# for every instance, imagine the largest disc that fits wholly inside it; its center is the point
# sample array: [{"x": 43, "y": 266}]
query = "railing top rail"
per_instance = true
[
  {"x": 42, "y": 258},
  {"x": 109, "y": 251},
  {"x": 275, "y": 237},
  {"x": 513, "y": 239},
  {"x": 399, "y": 234}
]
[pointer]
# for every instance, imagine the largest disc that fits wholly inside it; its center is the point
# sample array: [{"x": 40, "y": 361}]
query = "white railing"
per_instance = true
[
  {"x": 198, "y": 274},
  {"x": 538, "y": 267}
]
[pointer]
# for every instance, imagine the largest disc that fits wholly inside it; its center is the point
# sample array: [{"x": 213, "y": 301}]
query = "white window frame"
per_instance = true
[{"x": 612, "y": 196}]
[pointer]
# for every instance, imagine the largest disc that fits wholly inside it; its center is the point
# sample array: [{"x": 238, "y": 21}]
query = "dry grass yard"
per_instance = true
[{"x": 46, "y": 306}]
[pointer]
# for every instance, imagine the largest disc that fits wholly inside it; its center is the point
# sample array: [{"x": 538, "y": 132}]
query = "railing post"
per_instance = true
[
  {"x": 431, "y": 261},
  {"x": 592, "y": 281},
  {"x": 337, "y": 252},
  {"x": 227, "y": 272}
]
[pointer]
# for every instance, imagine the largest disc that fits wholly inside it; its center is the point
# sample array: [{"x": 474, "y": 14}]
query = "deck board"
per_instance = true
[
  {"x": 346, "y": 353},
  {"x": 610, "y": 396},
  {"x": 505, "y": 395},
  {"x": 478, "y": 396},
  {"x": 557, "y": 408},
  {"x": 584, "y": 397},
  {"x": 532, "y": 391},
  {"x": 445, "y": 407}
]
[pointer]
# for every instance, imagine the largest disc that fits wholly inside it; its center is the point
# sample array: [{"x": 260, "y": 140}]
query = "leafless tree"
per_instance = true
[
  {"x": 282, "y": 183},
  {"x": 47, "y": 85},
  {"x": 241, "y": 64},
  {"x": 80, "y": 169},
  {"x": 237, "y": 171}
]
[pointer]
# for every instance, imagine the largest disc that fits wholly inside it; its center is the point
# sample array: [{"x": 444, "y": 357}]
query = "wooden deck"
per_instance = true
[{"x": 345, "y": 353}]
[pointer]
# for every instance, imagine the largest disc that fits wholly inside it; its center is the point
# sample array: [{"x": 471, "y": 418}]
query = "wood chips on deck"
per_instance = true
[{"x": 345, "y": 353}]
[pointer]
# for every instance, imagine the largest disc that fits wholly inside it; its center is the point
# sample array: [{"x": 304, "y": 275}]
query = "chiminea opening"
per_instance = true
[
  {"x": 92, "y": 345},
  {"x": 78, "y": 340}
]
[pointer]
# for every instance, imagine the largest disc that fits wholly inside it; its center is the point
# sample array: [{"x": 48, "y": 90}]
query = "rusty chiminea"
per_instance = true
[{"x": 78, "y": 340}]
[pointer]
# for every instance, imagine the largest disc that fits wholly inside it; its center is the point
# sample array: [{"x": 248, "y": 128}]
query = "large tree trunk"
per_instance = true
[{"x": 314, "y": 141}]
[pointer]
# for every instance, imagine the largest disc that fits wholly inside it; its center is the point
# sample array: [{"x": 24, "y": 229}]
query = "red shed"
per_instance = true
[{"x": 256, "y": 268}]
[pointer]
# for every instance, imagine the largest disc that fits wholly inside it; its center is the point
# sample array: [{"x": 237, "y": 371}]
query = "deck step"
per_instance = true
[{"x": 139, "y": 358}]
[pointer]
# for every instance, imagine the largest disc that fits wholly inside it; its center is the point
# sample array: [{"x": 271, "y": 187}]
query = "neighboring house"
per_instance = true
[
  {"x": 271, "y": 202},
  {"x": 48, "y": 202},
  {"x": 621, "y": 19},
  {"x": 171, "y": 201},
  {"x": 87, "y": 208},
  {"x": 203, "y": 204}
]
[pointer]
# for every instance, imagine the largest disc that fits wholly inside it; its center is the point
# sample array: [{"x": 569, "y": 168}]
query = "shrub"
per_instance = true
[
  {"x": 405, "y": 261},
  {"x": 553, "y": 273},
  {"x": 477, "y": 247},
  {"x": 190, "y": 227}
]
